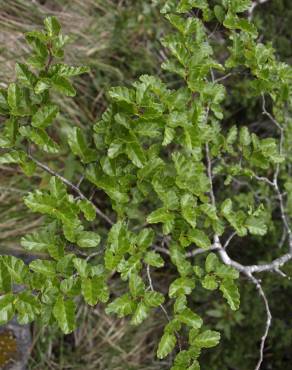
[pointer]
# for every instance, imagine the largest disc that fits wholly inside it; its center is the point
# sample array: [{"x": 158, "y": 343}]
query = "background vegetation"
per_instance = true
[{"x": 119, "y": 40}]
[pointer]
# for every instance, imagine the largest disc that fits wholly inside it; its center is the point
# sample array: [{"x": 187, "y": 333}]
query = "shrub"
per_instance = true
[{"x": 168, "y": 169}]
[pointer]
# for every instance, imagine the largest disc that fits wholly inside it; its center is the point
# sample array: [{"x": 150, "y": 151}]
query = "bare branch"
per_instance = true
[
  {"x": 276, "y": 175},
  {"x": 223, "y": 77},
  {"x": 193, "y": 253},
  {"x": 229, "y": 240},
  {"x": 253, "y": 6},
  {"x": 268, "y": 320},
  {"x": 161, "y": 305},
  {"x": 264, "y": 179},
  {"x": 149, "y": 277},
  {"x": 209, "y": 171}
]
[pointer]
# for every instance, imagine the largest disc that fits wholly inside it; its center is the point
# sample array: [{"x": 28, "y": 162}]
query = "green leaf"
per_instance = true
[
  {"x": 145, "y": 238},
  {"x": 71, "y": 286},
  {"x": 27, "y": 307},
  {"x": 140, "y": 314},
  {"x": 9, "y": 134},
  {"x": 121, "y": 94},
  {"x": 136, "y": 153},
  {"x": 178, "y": 258},
  {"x": 121, "y": 306},
  {"x": 57, "y": 188},
  {"x": 64, "y": 313},
  {"x": 24, "y": 75},
  {"x": 187, "y": 5},
  {"x": 160, "y": 215},
  {"x": 16, "y": 268},
  {"x": 244, "y": 136},
  {"x": 189, "y": 213},
  {"x": 136, "y": 285},
  {"x": 63, "y": 85},
  {"x": 212, "y": 262},
  {"x": 153, "y": 259},
  {"x": 43, "y": 267},
  {"x": 256, "y": 226},
  {"x": 199, "y": 238},
  {"x": 5, "y": 278},
  {"x": 52, "y": 26},
  {"x": 88, "y": 239},
  {"x": 189, "y": 318},
  {"x": 181, "y": 286},
  {"x": 209, "y": 282},
  {"x": 226, "y": 272},
  {"x": 44, "y": 116},
  {"x": 231, "y": 293},
  {"x": 42, "y": 85},
  {"x": 129, "y": 266},
  {"x": 180, "y": 304},
  {"x": 16, "y": 100},
  {"x": 79, "y": 145},
  {"x": 65, "y": 70},
  {"x": 94, "y": 289},
  {"x": 169, "y": 135},
  {"x": 169, "y": 6},
  {"x": 81, "y": 267},
  {"x": 88, "y": 209},
  {"x": 65, "y": 211},
  {"x": 56, "y": 251},
  {"x": 237, "y": 6},
  {"x": 40, "y": 138},
  {"x": 39, "y": 241},
  {"x": 14, "y": 156},
  {"x": 6, "y": 308},
  {"x": 210, "y": 211},
  {"x": 207, "y": 339},
  {"x": 65, "y": 265},
  {"x": 19, "y": 157},
  {"x": 219, "y": 13},
  {"x": 4, "y": 108},
  {"x": 153, "y": 299},
  {"x": 107, "y": 183},
  {"x": 166, "y": 345}
]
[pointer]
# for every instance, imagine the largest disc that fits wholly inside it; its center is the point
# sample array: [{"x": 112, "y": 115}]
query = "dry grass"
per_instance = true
[{"x": 101, "y": 342}]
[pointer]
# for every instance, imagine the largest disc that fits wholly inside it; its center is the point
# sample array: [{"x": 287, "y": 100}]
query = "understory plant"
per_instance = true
[{"x": 165, "y": 177}]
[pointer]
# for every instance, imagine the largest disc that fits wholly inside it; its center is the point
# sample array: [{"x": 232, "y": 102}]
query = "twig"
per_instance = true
[
  {"x": 276, "y": 175},
  {"x": 193, "y": 253},
  {"x": 264, "y": 179},
  {"x": 223, "y": 77},
  {"x": 161, "y": 305},
  {"x": 253, "y": 6},
  {"x": 149, "y": 278},
  {"x": 152, "y": 289},
  {"x": 229, "y": 240},
  {"x": 72, "y": 186},
  {"x": 268, "y": 320},
  {"x": 209, "y": 170}
]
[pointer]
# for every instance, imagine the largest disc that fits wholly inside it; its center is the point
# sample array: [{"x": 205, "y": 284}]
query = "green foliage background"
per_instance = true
[{"x": 120, "y": 42}]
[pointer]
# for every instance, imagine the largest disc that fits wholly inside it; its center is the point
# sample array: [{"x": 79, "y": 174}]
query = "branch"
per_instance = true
[
  {"x": 250, "y": 269},
  {"x": 209, "y": 171},
  {"x": 72, "y": 186},
  {"x": 276, "y": 175},
  {"x": 161, "y": 305},
  {"x": 193, "y": 253},
  {"x": 223, "y": 77},
  {"x": 253, "y": 6},
  {"x": 268, "y": 320}
]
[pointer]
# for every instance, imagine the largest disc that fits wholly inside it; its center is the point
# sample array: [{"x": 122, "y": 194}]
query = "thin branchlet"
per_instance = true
[{"x": 72, "y": 186}]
